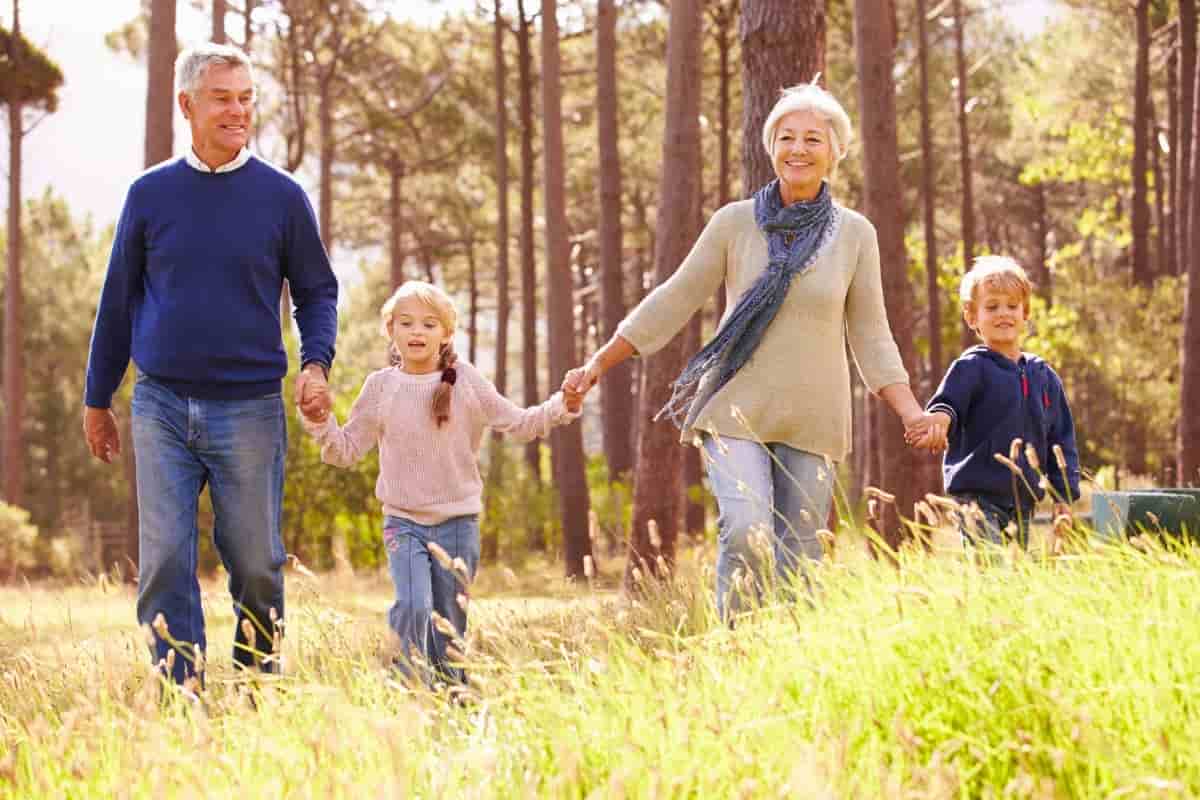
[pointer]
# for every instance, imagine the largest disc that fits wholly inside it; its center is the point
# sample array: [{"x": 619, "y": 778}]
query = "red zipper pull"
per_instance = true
[{"x": 1024, "y": 384}]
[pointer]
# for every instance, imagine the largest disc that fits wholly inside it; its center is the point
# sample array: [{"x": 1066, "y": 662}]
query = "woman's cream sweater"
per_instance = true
[{"x": 796, "y": 387}]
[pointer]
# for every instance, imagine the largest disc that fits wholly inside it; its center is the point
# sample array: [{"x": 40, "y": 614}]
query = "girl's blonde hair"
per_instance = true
[{"x": 443, "y": 308}]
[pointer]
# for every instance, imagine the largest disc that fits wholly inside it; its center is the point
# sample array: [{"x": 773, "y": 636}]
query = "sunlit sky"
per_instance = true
[{"x": 90, "y": 149}]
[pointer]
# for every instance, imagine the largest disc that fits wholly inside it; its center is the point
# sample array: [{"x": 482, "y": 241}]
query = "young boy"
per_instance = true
[{"x": 994, "y": 395}]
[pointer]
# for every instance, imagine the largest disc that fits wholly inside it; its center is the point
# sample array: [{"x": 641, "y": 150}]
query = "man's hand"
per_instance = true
[
  {"x": 100, "y": 430},
  {"x": 312, "y": 393}
]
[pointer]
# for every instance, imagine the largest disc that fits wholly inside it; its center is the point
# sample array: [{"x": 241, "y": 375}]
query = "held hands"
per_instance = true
[
  {"x": 928, "y": 431},
  {"x": 312, "y": 393},
  {"x": 100, "y": 430},
  {"x": 576, "y": 384}
]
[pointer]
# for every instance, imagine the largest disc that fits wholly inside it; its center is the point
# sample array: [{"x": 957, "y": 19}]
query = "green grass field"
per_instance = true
[{"x": 1073, "y": 676}]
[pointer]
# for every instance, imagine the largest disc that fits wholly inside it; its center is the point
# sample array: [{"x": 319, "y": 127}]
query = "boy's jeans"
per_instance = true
[
  {"x": 237, "y": 447},
  {"x": 424, "y": 586},
  {"x": 992, "y": 525},
  {"x": 776, "y": 489}
]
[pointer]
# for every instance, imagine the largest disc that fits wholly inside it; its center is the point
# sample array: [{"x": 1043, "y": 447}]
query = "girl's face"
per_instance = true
[{"x": 418, "y": 334}]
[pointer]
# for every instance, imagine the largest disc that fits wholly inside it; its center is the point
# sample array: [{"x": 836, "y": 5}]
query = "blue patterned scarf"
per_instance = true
[{"x": 794, "y": 234}]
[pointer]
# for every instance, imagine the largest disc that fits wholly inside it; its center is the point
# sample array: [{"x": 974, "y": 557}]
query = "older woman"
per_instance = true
[{"x": 770, "y": 394}]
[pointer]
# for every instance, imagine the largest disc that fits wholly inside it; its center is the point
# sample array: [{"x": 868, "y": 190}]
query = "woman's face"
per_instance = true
[{"x": 802, "y": 154}]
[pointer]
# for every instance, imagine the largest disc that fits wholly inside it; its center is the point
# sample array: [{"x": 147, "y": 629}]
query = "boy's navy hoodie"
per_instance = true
[{"x": 992, "y": 400}]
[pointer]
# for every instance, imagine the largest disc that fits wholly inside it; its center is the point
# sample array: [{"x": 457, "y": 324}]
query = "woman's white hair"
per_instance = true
[
  {"x": 810, "y": 97},
  {"x": 192, "y": 63}
]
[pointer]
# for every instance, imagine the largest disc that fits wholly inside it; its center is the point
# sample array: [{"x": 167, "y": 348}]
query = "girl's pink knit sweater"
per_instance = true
[{"x": 426, "y": 473}]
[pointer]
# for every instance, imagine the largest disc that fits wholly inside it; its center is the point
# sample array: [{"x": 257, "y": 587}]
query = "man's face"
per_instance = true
[{"x": 220, "y": 111}]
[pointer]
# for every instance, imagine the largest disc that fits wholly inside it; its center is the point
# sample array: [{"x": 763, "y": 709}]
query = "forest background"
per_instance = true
[{"x": 549, "y": 163}]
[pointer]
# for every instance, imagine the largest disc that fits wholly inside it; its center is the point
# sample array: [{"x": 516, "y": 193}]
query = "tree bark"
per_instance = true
[
  {"x": 566, "y": 441},
  {"x": 529, "y": 344},
  {"x": 1187, "y": 104},
  {"x": 657, "y": 488},
  {"x": 1041, "y": 262},
  {"x": 1188, "y": 456},
  {"x": 782, "y": 44},
  {"x": 503, "y": 301},
  {"x": 1171, "y": 222},
  {"x": 473, "y": 307},
  {"x": 1140, "y": 212},
  {"x": 933, "y": 293},
  {"x": 14, "y": 335},
  {"x": 218, "y": 21},
  {"x": 160, "y": 74},
  {"x": 615, "y": 395},
  {"x": 1161, "y": 265},
  {"x": 964, "y": 155},
  {"x": 395, "y": 220},
  {"x": 328, "y": 152},
  {"x": 874, "y": 39}
]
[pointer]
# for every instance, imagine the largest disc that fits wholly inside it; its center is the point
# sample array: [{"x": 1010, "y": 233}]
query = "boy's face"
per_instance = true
[
  {"x": 418, "y": 335},
  {"x": 998, "y": 317}
]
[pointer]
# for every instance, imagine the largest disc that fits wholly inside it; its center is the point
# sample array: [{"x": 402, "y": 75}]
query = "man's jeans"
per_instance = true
[
  {"x": 237, "y": 447},
  {"x": 423, "y": 586},
  {"x": 776, "y": 489}
]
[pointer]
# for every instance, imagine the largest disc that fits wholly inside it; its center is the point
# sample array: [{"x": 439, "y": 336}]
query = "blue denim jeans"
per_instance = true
[
  {"x": 995, "y": 518},
  {"x": 776, "y": 489},
  {"x": 237, "y": 448},
  {"x": 424, "y": 586}
]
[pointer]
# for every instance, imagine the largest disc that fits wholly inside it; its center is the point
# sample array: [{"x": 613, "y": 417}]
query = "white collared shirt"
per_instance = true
[{"x": 195, "y": 163}]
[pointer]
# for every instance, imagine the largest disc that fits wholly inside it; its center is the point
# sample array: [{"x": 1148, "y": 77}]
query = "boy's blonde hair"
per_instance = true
[
  {"x": 443, "y": 308},
  {"x": 999, "y": 273}
]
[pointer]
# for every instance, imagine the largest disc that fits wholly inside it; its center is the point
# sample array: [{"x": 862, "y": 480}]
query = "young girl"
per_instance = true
[{"x": 428, "y": 415}]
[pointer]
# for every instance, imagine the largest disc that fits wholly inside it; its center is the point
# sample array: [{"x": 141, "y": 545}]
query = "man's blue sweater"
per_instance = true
[
  {"x": 194, "y": 280},
  {"x": 992, "y": 400}
]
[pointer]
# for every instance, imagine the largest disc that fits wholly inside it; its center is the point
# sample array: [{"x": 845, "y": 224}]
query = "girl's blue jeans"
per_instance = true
[
  {"x": 423, "y": 586},
  {"x": 773, "y": 488},
  {"x": 237, "y": 448}
]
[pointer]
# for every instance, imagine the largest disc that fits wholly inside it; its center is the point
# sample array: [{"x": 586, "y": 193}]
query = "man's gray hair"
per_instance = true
[{"x": 192, "y": 63}]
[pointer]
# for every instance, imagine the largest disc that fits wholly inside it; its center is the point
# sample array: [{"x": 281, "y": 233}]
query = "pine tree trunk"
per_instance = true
[
  {"x": 503, "y": 301},
  {"x": 14, "y": 334},
  {"x": 658, "y": 485},
  {"x": 874, "y": 39},
  {"x": 395, "y": 199},
  {"x": 782, "y": 44},
  {"x": 964, "y": 154},
  {"x": 529, "y": 345},
  {"x": 1187, "y": 105},
  {"x": 1140, "y": 212},
  {"x": 1188, "y": 457},
  {"x": 473, "y": 305},
  {"x": 1172, "y": 220},
  {"x": 1041, "y": 263},
  {"x": 615, "y": 395},
  {"x": 327, "y": 153},
  {"x": 1162, "y": 243},
  {"x": 933, "y": 293},
  {"x": 567, "y": 441},
  {"x": 160, "y": 102},
  {"x": 218, "y": 21}
]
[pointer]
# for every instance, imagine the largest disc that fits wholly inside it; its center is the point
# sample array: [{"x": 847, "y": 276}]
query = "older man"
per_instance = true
[{"x": 201, "y": 251}]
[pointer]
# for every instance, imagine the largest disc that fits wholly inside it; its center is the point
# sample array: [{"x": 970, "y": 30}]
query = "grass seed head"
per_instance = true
[
  {"x": 1032, "y": 457},
  {"x": 589, "y": 567},
  {"x": 1059, "y": 457},
  {"x": 1014, "y": 449},
  {"x": 1008, "y": 462},
  {"x": 655, "y": 539},
  {"x": 441, "y": 556}
]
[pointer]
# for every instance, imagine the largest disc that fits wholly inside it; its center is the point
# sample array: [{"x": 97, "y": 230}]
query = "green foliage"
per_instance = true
[
  {"x": 18, "y": 541},
  {"x": 67, "y": 259},
  {"x": 27, "y": 75}
]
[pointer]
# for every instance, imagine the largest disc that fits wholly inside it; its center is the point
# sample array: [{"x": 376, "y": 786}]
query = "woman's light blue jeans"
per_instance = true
[
  {"x": 423, "y": 586},
  {"x": 781, "y": 491},
  {"x": 237, "y": 448}
]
